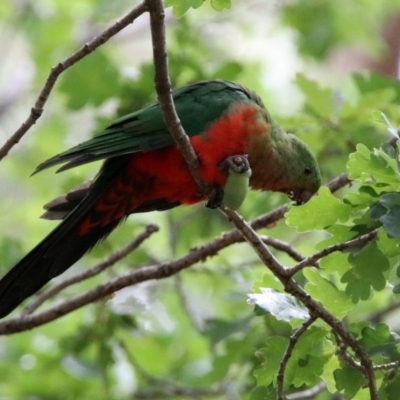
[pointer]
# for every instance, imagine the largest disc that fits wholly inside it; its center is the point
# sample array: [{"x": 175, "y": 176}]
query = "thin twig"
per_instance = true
[
  {"x": 310, "y": 261},
  {"x": 348, "y": 358},
  {"x": 97, "y": 269},
  {"x": 283, "y": 246},
  {"x": 345, "y": 356},
  {"x": 288, "y": 353},
  {"x": 56, "y": 71}
]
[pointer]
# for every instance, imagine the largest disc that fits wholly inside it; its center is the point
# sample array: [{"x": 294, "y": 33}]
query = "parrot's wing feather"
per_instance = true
[
  {"x": 60, "y": 207},
  {"x": 198, "y": 105}
]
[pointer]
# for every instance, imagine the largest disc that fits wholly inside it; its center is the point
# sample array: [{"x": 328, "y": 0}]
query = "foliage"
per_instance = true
[
  {"x": 222, "y": 327},
  {"x": 324, "y": 25},
  {"x": 180, "y": 7}
]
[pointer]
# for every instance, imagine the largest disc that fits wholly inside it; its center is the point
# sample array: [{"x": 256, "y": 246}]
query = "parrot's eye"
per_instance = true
[{"x": 307, "y": 170}]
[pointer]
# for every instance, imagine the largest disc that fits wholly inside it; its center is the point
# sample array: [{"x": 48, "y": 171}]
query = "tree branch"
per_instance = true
[
  {"x": 288, "y": 353},
  {"x": 163, "y": 89},
  {"x": 97, "y": 269},
  {"x": 283, "y": 246},
  {"x": 310, "y": 261},
  {"x": 56, "y": 71},
  {"x": 293, "y": 288}
]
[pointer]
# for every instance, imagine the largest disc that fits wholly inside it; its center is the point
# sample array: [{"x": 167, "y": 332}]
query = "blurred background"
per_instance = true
[{"x": 325, "y": 70}]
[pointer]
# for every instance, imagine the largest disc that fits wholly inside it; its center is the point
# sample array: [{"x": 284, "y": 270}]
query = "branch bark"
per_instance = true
[
  {"x": 56, "y": 71},
  {"x": 97, "y": 269},
  {"x": 164, "y": 92},
  {"x": 288, "y": 353}
]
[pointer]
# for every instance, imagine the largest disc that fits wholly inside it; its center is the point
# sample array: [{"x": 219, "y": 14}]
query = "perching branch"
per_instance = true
[
  {"x": 56, "y": 71},
  {"x": 163, "y": 89}
]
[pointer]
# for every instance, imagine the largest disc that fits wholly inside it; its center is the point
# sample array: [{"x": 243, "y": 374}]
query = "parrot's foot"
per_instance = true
[
  {"x": 216, "y": 198},
  {"x": 238, "y": 164}
]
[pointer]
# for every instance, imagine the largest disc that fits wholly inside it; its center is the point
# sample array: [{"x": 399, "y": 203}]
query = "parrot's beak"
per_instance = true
[{"x": 300, "y": 196}]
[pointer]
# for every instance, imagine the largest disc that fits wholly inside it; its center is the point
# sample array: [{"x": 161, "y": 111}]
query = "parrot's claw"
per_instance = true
[
  {"x": 238, "y": 164},
  {"x": 232, "y": 165},
  {"x": 216, "y": 198}
]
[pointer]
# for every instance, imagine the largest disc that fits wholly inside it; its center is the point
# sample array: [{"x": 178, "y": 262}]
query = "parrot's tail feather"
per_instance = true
[
  {"x": 54, "y": 255},
  {"x": 66, "y": 244},
  {"x": 61, "y": 206}
]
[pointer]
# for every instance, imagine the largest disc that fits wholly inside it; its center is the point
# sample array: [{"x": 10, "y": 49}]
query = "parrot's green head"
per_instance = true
[
  {"x": 281, "y": 162},
  {"x": 304, "y": 174}
]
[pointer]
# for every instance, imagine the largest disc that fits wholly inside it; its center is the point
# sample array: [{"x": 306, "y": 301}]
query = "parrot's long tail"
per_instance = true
[
  {"x": 50, "y": 258},
  {"x": 62, "y": 247}
]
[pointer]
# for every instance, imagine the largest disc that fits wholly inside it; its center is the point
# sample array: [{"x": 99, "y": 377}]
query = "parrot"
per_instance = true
[{"x": 233, "y": 136}]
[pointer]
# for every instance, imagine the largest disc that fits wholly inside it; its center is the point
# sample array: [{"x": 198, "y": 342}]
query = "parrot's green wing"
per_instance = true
[{"x": 198, "y": 105}]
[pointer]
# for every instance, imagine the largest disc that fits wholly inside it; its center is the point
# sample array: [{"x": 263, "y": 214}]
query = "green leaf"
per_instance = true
[
  {"x": 392, "y": 389},
  {"x": 180, "y": 7},
  {"x": 379, "y": 340},
  {"x": 389, "y": 200},
  {"x": 374, "y": 167},
  {"x": 391, "y": 217},
  {"x": 268, "y": 280},
  {"x": 314, "y": 24},
  {"x": 229, "y": 70},
  {"x": 309, "y": 357},
  {"x": 391, "y": 221},
  {"x": 331, "y": 365},
  {"x": 373, "y": 82},
  {"x": 219, "y": 5},
  {"x": 218, "y": 330},
  {"x": 349, "y": 380},
  {"x": 366, "y": 272},
  {"x": 270, "y": 355},
  {"x": 318, "y": 213},
  {"x": 339, "y": 233},
  {"x": 263, "y": 393},
  {"x": 91, "y": 81},
  {"x": 336, "y": 262},
  {"x": 334, "y": 300},
  {"x": 365, "y": 196},
  {"x": 318, "y": 99},
  {"x": 282, "y": 306}
]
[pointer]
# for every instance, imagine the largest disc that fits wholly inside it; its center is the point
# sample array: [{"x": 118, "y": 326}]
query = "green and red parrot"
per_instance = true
[{"x": 231, "y": 132}]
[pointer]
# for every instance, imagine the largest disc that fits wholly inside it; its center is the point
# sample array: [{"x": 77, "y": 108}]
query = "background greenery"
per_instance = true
[{"x": 194, "y": 335}]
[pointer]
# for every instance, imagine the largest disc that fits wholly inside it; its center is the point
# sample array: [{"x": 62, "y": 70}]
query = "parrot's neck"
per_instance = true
[{"x": 269, "y": 158}]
